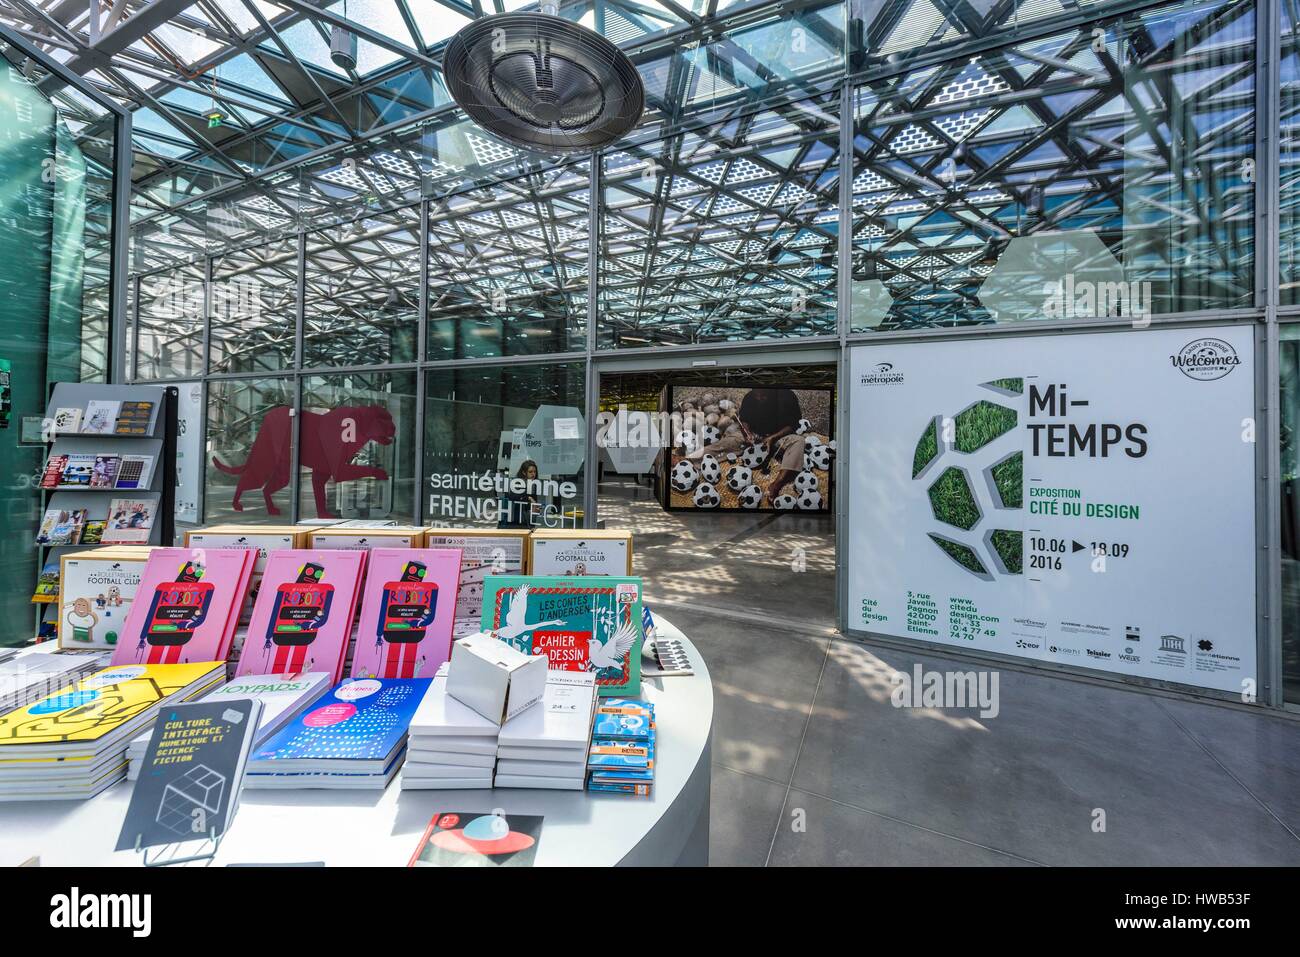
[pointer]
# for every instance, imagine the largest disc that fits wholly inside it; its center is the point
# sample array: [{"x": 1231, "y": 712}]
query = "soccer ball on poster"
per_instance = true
[{"x": 768, "y": 448}]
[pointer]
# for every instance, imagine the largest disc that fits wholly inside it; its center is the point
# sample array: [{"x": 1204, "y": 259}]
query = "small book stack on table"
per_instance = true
[
  {"x": 622, "y": 759},
  {"x": 546, "y": 745},
  {"x": 451, "y": 745}
]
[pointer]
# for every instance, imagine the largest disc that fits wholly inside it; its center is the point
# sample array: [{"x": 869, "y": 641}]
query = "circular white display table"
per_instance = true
[{"x": 355, "y": 828}]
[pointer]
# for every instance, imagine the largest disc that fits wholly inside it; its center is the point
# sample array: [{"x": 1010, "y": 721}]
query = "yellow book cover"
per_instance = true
[{"x": 100, "y": 703}]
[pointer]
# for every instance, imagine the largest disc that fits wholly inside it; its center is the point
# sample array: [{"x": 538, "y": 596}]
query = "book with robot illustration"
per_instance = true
[
  {"x": 580, "y": 624},
  {"x": 186, "y": 606},
  {"x": 407, "y": 612},
  {"x": 304, "y": 612}
]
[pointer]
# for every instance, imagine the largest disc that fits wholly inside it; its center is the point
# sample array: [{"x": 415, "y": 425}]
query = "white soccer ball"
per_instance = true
[
  {"x": 687, "y": 440},
  {"x": 804, "y": 426},
  {"x": 818, "y": 458},
  {"x": 706, "y": 496},
  {"x": 784, "y": 502},
  {"x": 810, "y": 501},
  {"x": 750, "y": 497},
  {"x": 710, "y": 470},
  {"x": 684, "y": 476},
  {"x": 710, "y": 434},
  {"x": 805, "y": 481},
  {"x": 755, "y": 455},
  {"x": 811, "y": 439},
  {"x": 731, "y": 456},
  {"x": 739, "y": 477}
]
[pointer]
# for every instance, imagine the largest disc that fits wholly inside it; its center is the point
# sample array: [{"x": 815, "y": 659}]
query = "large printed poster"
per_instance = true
[
  {"x": 1081, "y": 499},
  {"x": 749, "y": 449}
]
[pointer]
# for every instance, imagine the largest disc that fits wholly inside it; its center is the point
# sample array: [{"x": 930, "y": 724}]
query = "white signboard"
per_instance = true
[
  {"x": 189, "y": 451},
  {"x": 1082, "y": 499}
]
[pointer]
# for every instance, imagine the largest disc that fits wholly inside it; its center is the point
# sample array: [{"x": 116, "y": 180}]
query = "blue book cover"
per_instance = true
[
  {"x": 362, "y": 720},
  {"x": 609, "y": 754},
  {"x": 630, "y": 727}
]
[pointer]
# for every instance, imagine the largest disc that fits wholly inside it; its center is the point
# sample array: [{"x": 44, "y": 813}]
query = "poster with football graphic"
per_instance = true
[{"x": 769, "y": 448}]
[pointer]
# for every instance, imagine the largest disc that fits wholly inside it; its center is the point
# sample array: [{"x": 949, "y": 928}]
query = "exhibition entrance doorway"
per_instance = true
[{"x": 725, "y": 475}]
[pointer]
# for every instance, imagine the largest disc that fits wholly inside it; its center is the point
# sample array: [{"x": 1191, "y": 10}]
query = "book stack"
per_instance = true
[
  {"x": 546, "y": 745},
  {"x": 72, "y": 744},
  {"x": 282, "y": 697},
  {"x": 622, "y": 758},
  {"x": 451, "y": 746},
  {"x": 34, "y": 676},
  {"x": 352, "y": 737}
]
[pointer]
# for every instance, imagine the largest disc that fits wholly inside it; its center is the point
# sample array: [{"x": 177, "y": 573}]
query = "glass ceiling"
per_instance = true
[{"x": 720, "y": 213}]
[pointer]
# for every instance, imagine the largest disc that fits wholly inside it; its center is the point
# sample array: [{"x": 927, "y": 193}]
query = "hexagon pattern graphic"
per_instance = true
[
  {"x": 633, "y": 442},
  {"x": 871, "y": 303},
  {"x": 971, "y": 468},
  {"x": 556, "y": 440},
  {"x": 1071, "y": 272}
]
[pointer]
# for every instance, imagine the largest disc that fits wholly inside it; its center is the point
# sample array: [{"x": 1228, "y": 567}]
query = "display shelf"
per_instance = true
[
  {"x": 361, "y": 828},
  {"x": 158, "y": 442}
]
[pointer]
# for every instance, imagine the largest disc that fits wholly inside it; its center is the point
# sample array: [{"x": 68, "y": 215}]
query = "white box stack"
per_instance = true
[
  {"x": 450, "y": 745},
  {"x": 546, "y": 746}
]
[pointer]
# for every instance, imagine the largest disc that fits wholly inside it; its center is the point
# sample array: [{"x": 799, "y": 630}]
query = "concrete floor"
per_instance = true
[{"x": 814, "y": 766}]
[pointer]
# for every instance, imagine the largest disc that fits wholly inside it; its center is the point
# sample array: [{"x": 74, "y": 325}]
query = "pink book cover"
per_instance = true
[
  {"x": 184, "y": 606},
  {"x": 407, "y": 612},
  {"x": 303, "y": 614}
]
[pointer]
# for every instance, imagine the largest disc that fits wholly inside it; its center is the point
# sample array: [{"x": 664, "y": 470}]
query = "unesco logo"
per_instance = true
[{"x": 1206, "y": 359}]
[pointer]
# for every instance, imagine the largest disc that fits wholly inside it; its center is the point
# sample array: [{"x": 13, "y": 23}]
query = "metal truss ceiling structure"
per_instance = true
[{"x": 719, "y": 217}]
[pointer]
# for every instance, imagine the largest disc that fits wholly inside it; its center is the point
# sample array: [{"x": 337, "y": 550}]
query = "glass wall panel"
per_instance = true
[
  {"x": 1102, "y": 171},
  {"x": 790, "y": 47},
  {"x": 253, "y": 305},
  {"x": 1289, "y": 158},
  {"x": 169, "y": 323},
  {"x": 169, "y": 331},
  {"x": 885, "y": 33},
  {"x": 1289, "y": 365},
  {"x": 362, "y": 298},
  {"x": 249, "y": 451},
  {"x": 168, "y": 241},
  {"x": 508, "y": 267},
  {"x": 504, "y": 446},
  {"x": 723, "y": 234},
  {"x": 357, "y": 435},
  {"x": 57, "y": 151}
]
